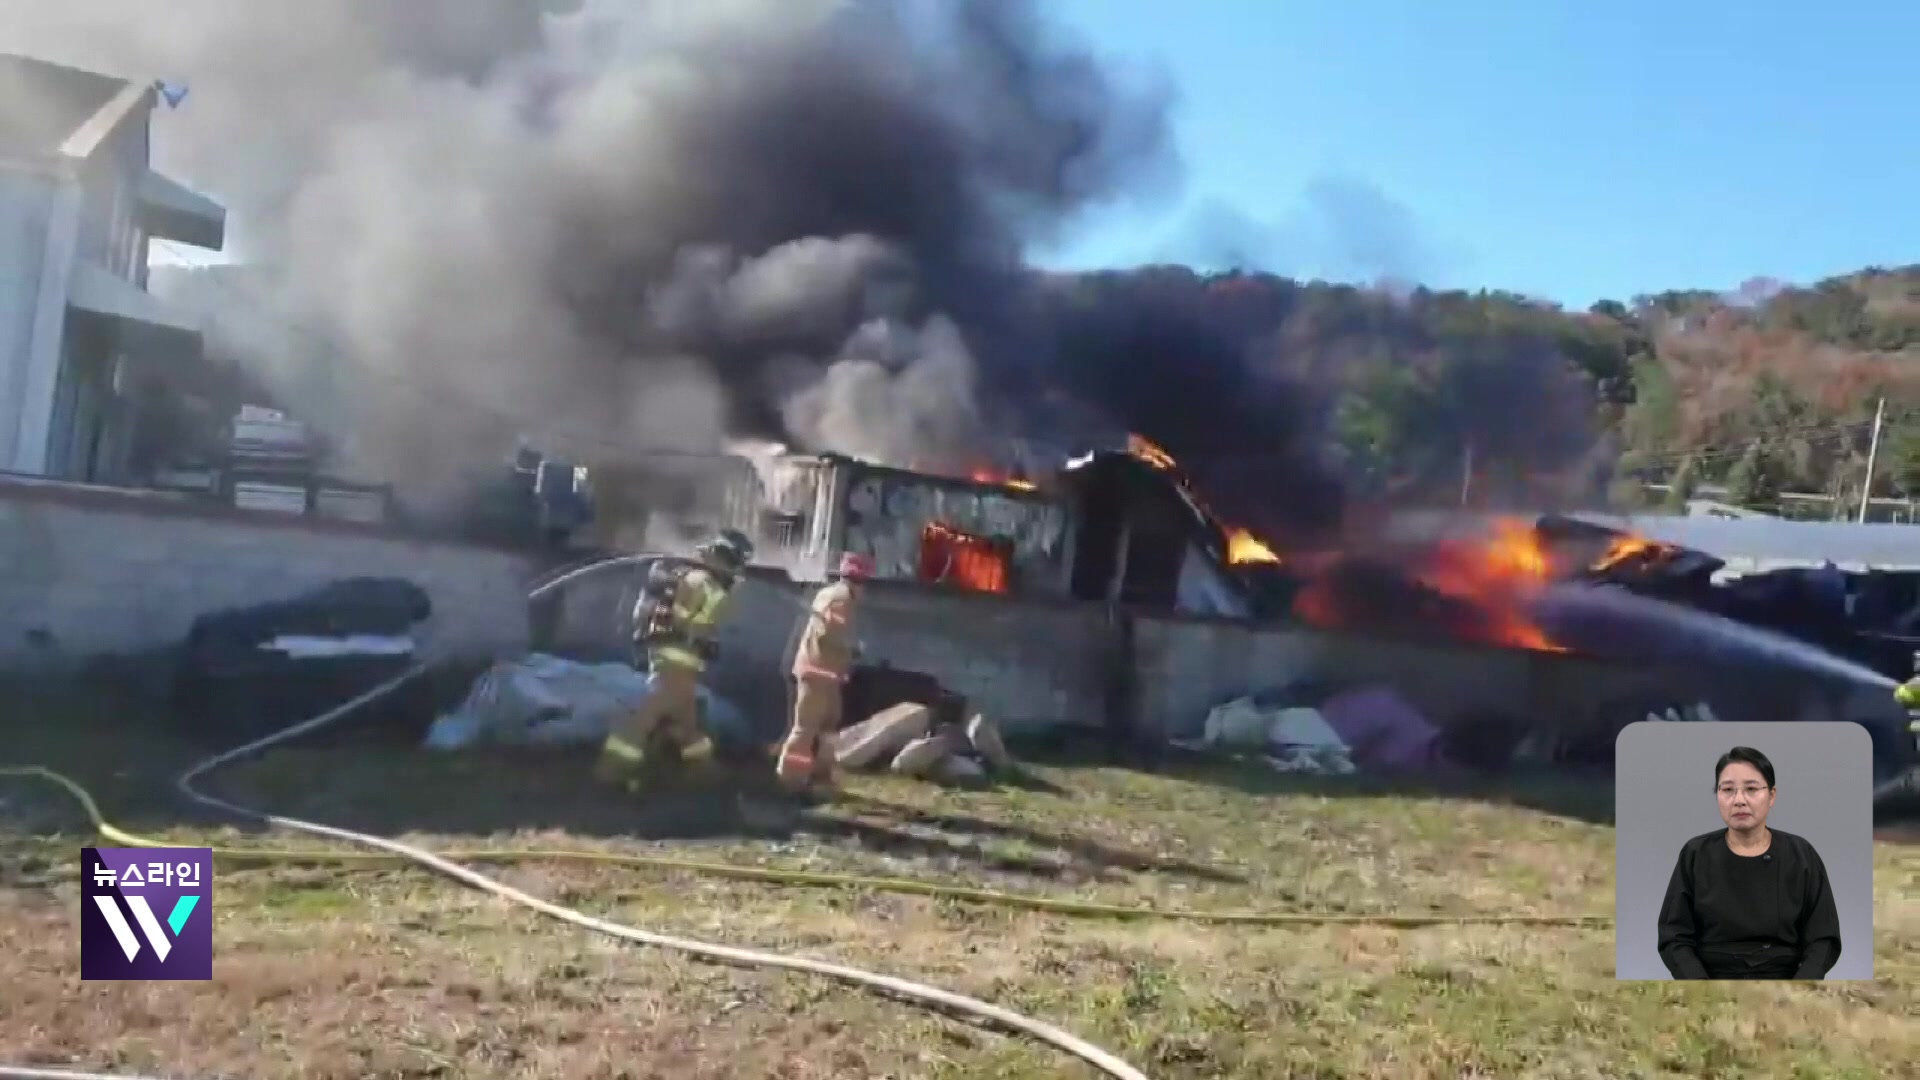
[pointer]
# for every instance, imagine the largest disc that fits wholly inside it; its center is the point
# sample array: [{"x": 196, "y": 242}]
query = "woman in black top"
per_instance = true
[{"x": 1748, "y": 902}]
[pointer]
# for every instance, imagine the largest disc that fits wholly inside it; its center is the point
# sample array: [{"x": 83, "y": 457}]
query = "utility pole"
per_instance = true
[
  {"x": 1466, "y": 473},
  {"x": 1873, "y": 451}
]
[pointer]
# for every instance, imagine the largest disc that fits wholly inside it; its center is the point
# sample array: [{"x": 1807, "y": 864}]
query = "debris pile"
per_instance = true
[
  {"x": 242, "y": 670},
  {"x": 917, "y": 726},
  {"x": 907, "y": 740},
  {"x": 1362, "y": 729}
]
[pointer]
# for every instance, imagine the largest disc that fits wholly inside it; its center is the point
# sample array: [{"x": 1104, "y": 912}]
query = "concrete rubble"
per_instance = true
[{"x": 907, "y": 739}]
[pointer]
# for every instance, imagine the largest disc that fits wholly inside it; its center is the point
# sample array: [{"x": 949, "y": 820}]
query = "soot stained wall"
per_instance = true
[{"x": 885, "y": 511}]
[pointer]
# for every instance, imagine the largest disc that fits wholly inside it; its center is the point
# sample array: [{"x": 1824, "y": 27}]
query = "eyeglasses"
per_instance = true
[{"x": 1751, "y": 791}]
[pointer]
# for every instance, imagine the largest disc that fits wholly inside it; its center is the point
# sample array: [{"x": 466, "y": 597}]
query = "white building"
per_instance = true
[{"x": 78, "y": 329}]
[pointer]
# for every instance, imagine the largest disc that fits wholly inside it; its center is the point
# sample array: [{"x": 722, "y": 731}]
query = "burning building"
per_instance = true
[
  {"x": 1148, "y": 541},
  {"x": 1125, "y": 527},
  {"x": 980, "y": 533},
  {"x": 1113, "y": 526},
  {"x": 1113, "y": 593}
]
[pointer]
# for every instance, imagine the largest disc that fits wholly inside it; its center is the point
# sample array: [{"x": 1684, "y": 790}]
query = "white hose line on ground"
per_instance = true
[
  {"x": 916, "y": 993},
  {"x": 24, "y": 1073}
]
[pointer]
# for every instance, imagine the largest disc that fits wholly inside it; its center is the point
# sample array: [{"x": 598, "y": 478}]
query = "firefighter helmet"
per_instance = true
[
  {"x": 729, "y": 550},
  {"x": 855, "y": 567}
]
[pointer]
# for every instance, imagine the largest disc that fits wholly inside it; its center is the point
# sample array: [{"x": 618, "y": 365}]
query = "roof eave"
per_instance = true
[
  {"x": 132, "y": 99},
  {"x": 170, "y": 210}
]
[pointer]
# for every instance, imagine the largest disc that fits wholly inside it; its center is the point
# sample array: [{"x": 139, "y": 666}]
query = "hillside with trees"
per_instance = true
[
  {"x": 1774, "y": 391},
  {"x": 1429, "y": 396}
]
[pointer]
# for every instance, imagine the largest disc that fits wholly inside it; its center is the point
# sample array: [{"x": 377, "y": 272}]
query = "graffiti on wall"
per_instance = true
[{"x": 887, "y": 514}]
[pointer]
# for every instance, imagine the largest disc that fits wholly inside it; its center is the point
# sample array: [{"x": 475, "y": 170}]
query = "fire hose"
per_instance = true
[{"x": 388, "y": 850}]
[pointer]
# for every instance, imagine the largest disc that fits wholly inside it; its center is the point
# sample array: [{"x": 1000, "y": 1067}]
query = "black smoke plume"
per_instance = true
[{"x": 629, "y": 226}]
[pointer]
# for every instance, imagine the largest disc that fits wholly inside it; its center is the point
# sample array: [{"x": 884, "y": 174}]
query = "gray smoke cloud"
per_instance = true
[
  {"x": 1343, "y": 229},
  {"x": 623, "y": 225}
]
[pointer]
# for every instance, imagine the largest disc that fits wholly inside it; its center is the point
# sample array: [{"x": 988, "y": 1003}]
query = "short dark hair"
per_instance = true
[{"x": 1747, "y": 755}]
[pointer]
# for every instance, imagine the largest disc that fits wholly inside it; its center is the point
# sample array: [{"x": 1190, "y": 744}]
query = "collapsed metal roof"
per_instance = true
[{"x": 1773, "y": 540}]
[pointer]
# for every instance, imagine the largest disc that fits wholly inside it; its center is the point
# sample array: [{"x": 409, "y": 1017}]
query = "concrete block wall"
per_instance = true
[
  {"x": 1033, "y": 662},
  {"x": 1038, "y": 662},
  {"x": 1026, "y": 663},
  {"x": 1189, "y": 665},
  {"x": 90, "y": 571}
]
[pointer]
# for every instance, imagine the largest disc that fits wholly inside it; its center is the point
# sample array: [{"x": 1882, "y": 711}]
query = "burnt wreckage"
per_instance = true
[
  {"x": 1143, "y": 541},
  {"x": 1123, "y": 528},
  {"x": 1865, "y": 617}
]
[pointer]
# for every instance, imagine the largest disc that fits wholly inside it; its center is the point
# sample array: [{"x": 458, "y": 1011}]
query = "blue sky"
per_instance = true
[{"x": 1566, "y": 150}]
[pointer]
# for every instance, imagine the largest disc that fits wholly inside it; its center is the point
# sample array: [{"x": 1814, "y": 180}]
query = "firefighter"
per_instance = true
[
  {"x": 1907, "y": 695},
  {"x": 674, "y": 627},
  {"x": 822, "y": 659}
]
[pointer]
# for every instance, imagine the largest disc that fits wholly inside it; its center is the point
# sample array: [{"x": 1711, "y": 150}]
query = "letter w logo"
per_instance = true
[{"x": 150, "y": 926}]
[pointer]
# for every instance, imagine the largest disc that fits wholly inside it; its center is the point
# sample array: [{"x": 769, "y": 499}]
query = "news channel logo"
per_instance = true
[{"x": 146, "y": 913}]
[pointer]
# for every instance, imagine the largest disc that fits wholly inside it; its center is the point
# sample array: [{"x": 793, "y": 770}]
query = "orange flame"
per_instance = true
[
  {"x": 1244, "y": 547},
  {"x": 984, "y": 475},
  {"x": 1496, "y": 573},
  {"x": 1627, "y": 548},
  {"x": 1490, "y": 578},
  {"x": 950, "y": 556},
  {"x": 1509, "y": 558},
  {"x": 1139, "y": 446}
]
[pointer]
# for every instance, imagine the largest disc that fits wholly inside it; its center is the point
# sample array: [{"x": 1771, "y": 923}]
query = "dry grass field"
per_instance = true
[{"x": 323, "y": 972}]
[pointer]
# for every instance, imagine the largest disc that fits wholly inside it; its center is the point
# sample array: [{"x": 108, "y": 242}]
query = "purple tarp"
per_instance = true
[{"x": 1382, "y": 732}]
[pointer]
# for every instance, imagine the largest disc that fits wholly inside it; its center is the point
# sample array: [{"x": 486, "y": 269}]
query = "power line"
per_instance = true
[
  {"x": 1833, "y": 425},
  {"x": 1724, "y": 455},
  {"x": 1816, "y": 433},
  {"x": 1716, "y": 454}
]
